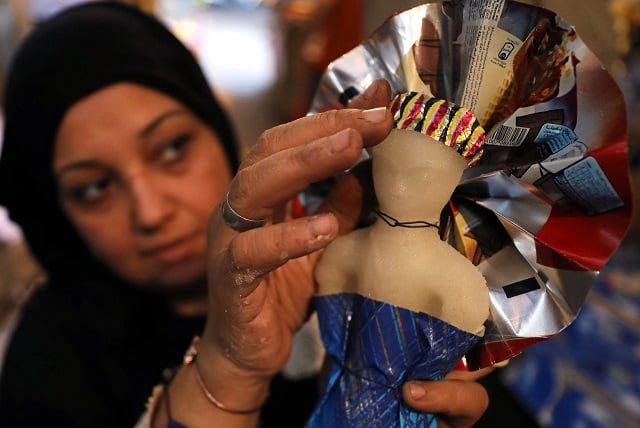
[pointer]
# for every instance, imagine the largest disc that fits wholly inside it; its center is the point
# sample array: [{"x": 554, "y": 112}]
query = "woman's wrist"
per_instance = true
[
  {"x": 223, "y": 384},
  {"x": 213, "y": 391}
]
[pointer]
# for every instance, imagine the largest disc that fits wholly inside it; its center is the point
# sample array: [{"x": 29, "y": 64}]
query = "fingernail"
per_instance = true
[
  {"x": 321, "y": 225},
  {"x": 417, "y": 391},
  {"x": 375, "y": 115},
  {"x": 340, "y": 141}
]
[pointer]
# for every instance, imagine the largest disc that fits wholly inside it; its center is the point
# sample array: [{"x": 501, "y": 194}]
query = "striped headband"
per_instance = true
[{"x": 446, "y": 122}]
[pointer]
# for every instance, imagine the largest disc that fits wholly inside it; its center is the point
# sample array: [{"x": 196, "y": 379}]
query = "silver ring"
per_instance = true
[{"x": 235, "y": 221}]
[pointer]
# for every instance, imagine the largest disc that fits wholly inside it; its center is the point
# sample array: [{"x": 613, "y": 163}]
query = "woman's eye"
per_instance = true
[
  {"x": 174, "y": 150},
  {"x": 88, "y": 193}
]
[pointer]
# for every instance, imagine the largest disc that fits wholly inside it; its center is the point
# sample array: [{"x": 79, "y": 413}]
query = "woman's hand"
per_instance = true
[{"x": 261, "y": 280}]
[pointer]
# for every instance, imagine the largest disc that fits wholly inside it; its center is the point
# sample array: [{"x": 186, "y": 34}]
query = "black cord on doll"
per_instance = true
[{"x": 408, "y": 224}]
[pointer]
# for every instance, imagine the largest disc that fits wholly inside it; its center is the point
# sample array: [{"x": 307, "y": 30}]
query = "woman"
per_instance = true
[{"x": 115, "y": 155}]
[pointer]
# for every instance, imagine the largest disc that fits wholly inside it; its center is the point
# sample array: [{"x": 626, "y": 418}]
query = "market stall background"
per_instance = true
[{"x": 587, "y": 376}]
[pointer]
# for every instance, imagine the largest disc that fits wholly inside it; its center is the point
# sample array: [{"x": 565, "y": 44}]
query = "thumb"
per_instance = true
[
  {"x": 378, "y": 94},
  {"x": 458, "y": 403}
]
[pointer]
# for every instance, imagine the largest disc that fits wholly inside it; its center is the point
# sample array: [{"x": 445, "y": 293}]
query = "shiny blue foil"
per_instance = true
[{"x": 376, "y": 347}]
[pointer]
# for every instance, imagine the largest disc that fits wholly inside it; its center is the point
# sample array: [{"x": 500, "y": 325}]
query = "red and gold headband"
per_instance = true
[{"x": 442, "y": 120}]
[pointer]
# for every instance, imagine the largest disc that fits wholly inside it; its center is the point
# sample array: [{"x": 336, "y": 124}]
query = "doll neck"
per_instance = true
[
  {"x": 416, "y": 212},
  {"x": 406, "y": 222}
]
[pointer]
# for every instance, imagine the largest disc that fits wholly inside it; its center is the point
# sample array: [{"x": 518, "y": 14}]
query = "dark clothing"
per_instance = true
[
  {"x": 91, "y": 360},
  {"x": 89, "y": 348},
  {"x": 75, "y": 362}
]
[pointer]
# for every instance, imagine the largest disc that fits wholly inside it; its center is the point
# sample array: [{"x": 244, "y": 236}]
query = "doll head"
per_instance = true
[
  {"x": 417, "y": 167},
  {"x": 446, "y": 122}
]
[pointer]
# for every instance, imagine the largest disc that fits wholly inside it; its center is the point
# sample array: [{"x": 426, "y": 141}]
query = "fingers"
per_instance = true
[
  {"x": 279, "y": 243},
  {"x": 250, "y": 255},
  {"x": 458, "y": 404},
  {"x": 265, "y": 185},
  {"x": 363, "y": 115},
  {"x": 288, "y": 158}
]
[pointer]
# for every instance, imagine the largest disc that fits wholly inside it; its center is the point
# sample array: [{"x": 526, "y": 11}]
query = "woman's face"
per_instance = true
[{"x": 138, "y": 175}]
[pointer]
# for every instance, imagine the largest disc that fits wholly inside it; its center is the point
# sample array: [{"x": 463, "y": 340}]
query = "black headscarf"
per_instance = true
[{"x": 65, "y": 59}]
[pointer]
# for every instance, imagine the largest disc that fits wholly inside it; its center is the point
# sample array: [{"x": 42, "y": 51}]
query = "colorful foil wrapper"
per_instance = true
[
  {"x": 442, "y": 120},
  {"x": 539, "y": 214}
]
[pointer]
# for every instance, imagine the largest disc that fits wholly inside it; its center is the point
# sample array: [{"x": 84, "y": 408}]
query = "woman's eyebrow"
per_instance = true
[
  {"x": 74, "y": 166},
  {"x": 158, "y": 120}
]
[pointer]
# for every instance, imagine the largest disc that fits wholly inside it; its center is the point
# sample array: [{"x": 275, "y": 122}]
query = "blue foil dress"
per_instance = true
[{"x": 375, "y": 347}]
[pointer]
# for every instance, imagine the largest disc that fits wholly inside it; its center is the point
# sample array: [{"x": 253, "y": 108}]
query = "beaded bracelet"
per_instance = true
[{"x": 190, "y": 358}]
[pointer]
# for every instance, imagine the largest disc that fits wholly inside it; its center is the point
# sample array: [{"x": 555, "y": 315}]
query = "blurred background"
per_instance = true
[{"x": 264, "y": 57}]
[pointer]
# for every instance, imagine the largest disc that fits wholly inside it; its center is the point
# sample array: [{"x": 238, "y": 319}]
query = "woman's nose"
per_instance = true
[{"x": 150, "y": 203}]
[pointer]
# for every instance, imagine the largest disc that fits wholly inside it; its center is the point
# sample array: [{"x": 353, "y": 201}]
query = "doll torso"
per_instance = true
[{"x": 410, "y": 268}]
